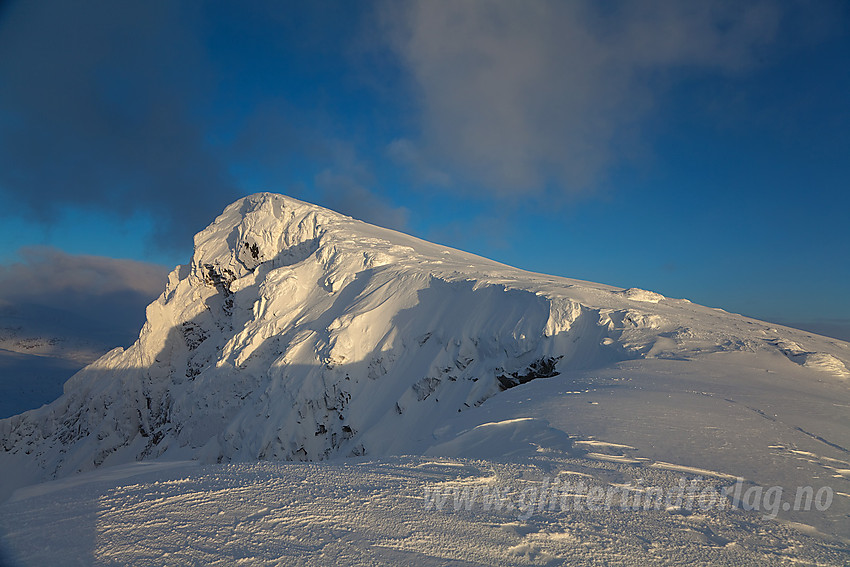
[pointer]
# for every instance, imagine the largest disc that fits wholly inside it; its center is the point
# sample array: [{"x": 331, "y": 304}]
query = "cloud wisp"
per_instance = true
[{"x": 523, "y": 96}]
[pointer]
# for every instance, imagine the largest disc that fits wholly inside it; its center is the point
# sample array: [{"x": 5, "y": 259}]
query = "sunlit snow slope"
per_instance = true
[{"x": 297, "y": 333}]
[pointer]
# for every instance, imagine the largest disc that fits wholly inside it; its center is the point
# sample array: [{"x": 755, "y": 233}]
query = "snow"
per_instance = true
[
  {"x": 383, "y": 512},
  {"x": 298, "y": 334},
  {"x": 508, "y": 438},
  {"x": 637, "y": 294}
]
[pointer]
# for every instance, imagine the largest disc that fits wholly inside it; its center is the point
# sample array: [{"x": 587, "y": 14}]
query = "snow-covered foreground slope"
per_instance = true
[
  {"x": 299, "y": 334},
  {"x": 394, "y": 511}
]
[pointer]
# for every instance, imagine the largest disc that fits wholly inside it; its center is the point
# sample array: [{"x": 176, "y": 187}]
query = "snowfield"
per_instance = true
[
  {"x": 297, "y": 334},
  {"x": 389, "y": 512}
]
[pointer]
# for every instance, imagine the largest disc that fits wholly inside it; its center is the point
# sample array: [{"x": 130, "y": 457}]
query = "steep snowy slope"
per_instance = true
[{"x": 296, "y": 333}]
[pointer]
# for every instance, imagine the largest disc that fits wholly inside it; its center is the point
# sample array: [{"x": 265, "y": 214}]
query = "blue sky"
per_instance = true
[{"x": 701, "y": 150}]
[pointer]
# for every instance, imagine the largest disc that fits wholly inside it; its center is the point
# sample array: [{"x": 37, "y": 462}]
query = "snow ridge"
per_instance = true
[{"x": 297, "y": 333}]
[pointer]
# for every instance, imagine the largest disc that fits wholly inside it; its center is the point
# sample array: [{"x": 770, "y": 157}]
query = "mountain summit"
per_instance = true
[{"x": 297, "y": 333}]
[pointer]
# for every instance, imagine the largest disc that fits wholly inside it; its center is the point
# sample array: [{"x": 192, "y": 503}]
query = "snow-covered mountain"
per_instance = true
[{"x": 299, "y": 334}]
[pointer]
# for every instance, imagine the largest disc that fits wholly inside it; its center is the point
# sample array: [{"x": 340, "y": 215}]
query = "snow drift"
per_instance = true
[{"x": 297, "y": 333}]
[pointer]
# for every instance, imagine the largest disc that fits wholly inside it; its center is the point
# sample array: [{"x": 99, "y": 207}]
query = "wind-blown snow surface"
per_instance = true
[
  {"x": 299, "y": 334},
  {"x": 365, "y": 512}
]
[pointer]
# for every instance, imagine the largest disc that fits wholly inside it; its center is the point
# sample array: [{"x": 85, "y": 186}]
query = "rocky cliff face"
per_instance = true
[{"x": 296, "y": 333}]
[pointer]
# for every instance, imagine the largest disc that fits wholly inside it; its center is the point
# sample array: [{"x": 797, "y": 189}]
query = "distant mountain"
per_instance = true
[
  {"x": 296, "y": 333},
  {"x": 40, "y": 348},
  {"x": 49, "y": 332}
]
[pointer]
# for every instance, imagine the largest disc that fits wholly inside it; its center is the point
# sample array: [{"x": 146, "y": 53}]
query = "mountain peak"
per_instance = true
[
  {"x": 276, "y": 230},
  {"x": 259, "y": 228},
  {"x": 297, "y": 333}
]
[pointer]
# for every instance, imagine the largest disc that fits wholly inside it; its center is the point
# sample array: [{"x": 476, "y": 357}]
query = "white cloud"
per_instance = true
[
  {"x": 521, "y": 95},
  {"x": 47, "y": 272}
]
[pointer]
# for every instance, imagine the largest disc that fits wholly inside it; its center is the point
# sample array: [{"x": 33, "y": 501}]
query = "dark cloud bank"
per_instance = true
[
  {"x": 100, "y": 107},
  {"x": 117, "y": 106}
]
